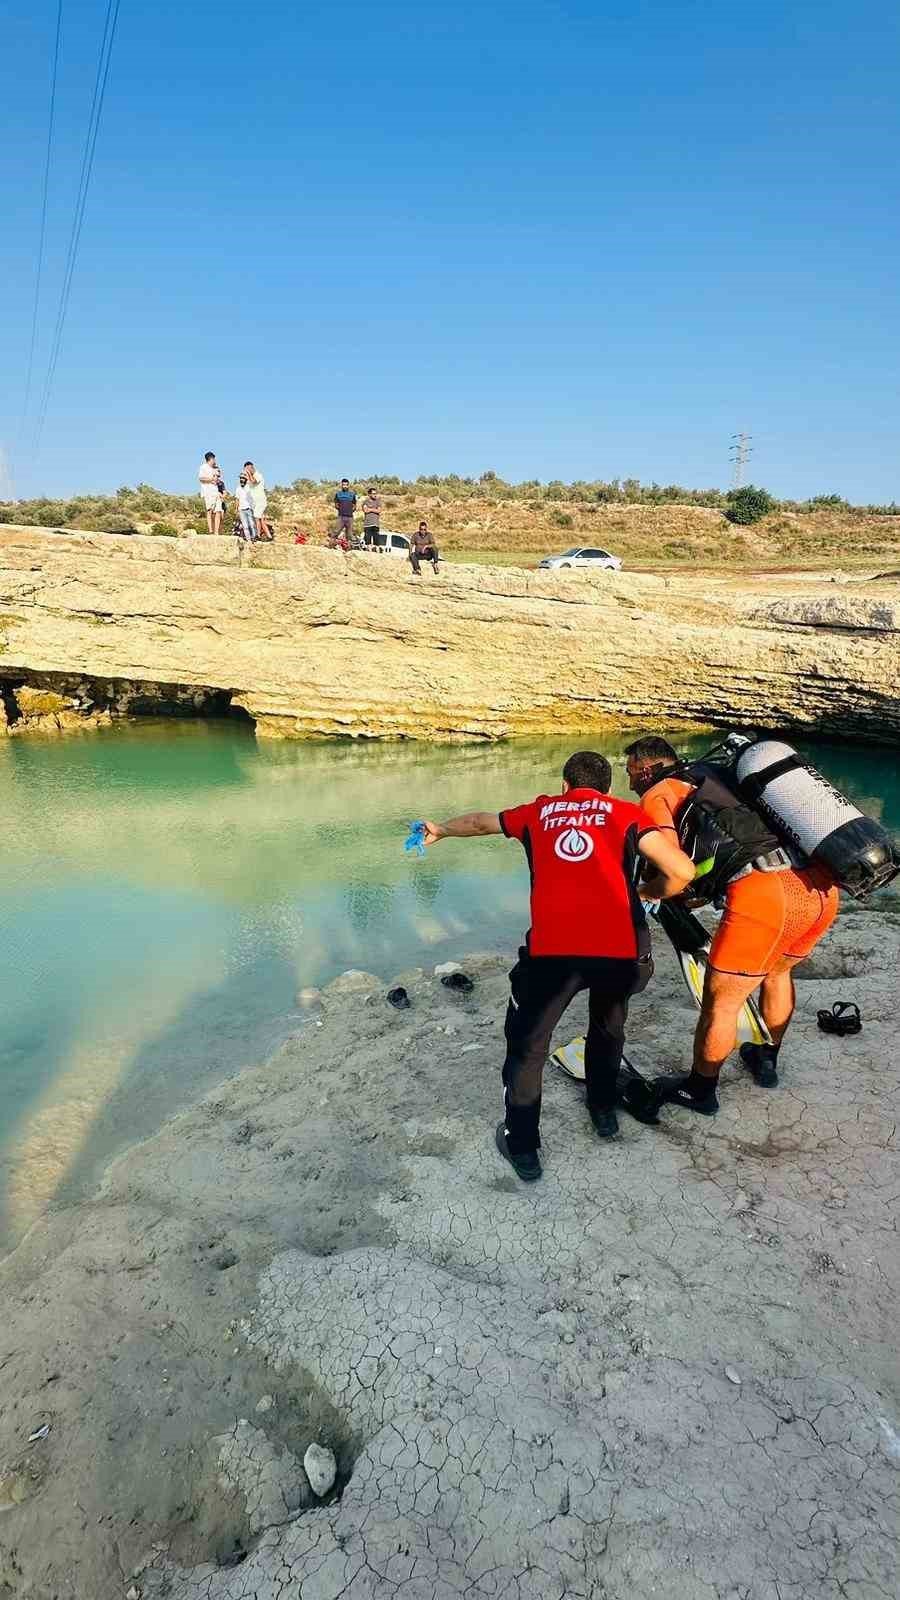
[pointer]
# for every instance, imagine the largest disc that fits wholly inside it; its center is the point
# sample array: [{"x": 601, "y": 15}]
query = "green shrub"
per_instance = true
[
  {"x": 561, "y": 519},
  {"x": 163, "y": 530},
  {"x": 112, "y": 522},
  {"x": 748, "y": 505},
  {"x": 828, "y": 502}
]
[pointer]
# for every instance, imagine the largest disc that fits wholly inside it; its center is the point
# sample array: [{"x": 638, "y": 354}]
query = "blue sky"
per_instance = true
[{"x": 549, "y": 239}]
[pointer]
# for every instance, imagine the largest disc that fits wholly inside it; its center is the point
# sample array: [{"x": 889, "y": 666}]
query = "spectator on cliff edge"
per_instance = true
[
  {"x": 244, "y": 497},
  {"x": 423, "y": 548},
  {"x": 371, "y": 517},
  {"x": 212, "y": 488},
  {"x": 260, "y": 500},
  {"x": 345, "y": 506}
]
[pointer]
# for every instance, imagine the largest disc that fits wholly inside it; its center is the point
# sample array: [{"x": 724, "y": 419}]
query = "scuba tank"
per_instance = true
[
  {"x": 811, "y": 817},
  {"x": 756, "y": 800}
]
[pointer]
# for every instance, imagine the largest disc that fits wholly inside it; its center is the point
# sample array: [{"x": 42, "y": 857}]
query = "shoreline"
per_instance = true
[{"x": 512, "y": 1382}]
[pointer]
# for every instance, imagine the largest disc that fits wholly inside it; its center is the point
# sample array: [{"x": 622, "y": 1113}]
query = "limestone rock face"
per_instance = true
[
  {"x": 42, "y": 702},
  {"x": 312, "y": 643}
]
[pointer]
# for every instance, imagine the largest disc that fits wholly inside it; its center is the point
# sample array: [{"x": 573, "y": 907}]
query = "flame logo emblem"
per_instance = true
[{"x": 573, "y": 845}]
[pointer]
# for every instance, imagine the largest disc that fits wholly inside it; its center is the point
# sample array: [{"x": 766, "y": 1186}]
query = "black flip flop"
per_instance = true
[
  {"x": 459, "y": 981},
  {"x": 843, "y": 1018}
]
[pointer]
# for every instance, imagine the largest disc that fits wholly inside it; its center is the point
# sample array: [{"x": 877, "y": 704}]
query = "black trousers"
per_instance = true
[
  {"x": 429, "y": 554},
  {"x": 541, "y": 990},
  {"x": 370, "y": 535}
]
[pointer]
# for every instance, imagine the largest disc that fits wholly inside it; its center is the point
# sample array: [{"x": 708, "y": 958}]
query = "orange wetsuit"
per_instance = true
[{"x": 769, "y": 916}]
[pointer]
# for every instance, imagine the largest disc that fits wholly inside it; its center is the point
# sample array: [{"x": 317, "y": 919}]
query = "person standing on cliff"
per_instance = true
[
  {"x": 212, "y": 487},
  {"x": 259, "y": 498},
  {"x": 588, "y": 931},
  {"x": 244, "y": 497},
  {"x": 345, "y": 506},
  {"x": 371, "y": 517}
]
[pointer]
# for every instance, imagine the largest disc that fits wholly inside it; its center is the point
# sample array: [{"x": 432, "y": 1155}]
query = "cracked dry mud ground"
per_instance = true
[{"x": 526, "y": 1388}]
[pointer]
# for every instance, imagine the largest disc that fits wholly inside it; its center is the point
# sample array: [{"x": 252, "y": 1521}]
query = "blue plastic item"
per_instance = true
[{"x": 416, "y": 838}]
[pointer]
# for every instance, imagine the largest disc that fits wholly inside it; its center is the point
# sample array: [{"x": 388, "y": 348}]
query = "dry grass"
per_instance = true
[
  {"x": 518, "y": 527},
  {"x": 510, "y": 532}
]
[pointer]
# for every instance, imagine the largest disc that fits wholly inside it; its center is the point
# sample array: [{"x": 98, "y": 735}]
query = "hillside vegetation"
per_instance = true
[{"x": 489, "y": 519}]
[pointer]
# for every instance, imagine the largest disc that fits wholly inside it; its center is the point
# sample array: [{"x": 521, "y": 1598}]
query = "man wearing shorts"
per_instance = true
[
  {"x": 588, "y": 931},
  {"x": 211, "y": 487},
  {"x": 773, "y": 918},
  {"x": 259, "y": 499}
]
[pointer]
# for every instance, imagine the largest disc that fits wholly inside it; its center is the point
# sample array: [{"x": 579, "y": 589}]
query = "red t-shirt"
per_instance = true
[{"x": 581, "y": 850}]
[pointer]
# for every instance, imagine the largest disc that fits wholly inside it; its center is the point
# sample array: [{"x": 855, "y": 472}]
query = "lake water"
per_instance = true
[{"x": 166, "y": 889}]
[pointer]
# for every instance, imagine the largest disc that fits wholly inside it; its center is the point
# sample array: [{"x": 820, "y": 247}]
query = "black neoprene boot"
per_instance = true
[
  {"x": 762, "y": 1061},
  {"x": 606, "y": 1123},
  {"x": 527, "y": 1163},
  {"x": 690, "y": 1090}
]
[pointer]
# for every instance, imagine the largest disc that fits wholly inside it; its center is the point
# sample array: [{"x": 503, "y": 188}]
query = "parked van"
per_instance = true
[{"x": 385, "y": 542}]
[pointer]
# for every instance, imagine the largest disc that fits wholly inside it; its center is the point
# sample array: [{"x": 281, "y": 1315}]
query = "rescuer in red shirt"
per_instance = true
[{"x": 588, "y": 931}]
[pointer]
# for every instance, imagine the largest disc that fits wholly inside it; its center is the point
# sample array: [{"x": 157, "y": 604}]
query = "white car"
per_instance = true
[
  {"x": 387, "y": 543},
  {"x": 582, "y": 556}
]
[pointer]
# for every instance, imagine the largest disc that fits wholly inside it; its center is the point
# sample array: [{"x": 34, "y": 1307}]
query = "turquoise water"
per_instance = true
[{"x": 167, "y": 889}]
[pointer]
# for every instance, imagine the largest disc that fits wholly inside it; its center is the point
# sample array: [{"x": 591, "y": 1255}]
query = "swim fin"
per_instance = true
[
  {"x": 692, "y": 944},
  {"x": 633, "y": 1092}
]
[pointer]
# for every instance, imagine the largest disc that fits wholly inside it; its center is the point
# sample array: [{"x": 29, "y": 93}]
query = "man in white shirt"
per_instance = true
[
  {"x": 211, "y": 487},
  {"x": 244, "y": 496},
  {"x": 260, "y": 500}
]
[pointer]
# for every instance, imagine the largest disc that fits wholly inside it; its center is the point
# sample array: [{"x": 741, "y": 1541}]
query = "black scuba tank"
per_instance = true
[{"x": 812, "y": 817}]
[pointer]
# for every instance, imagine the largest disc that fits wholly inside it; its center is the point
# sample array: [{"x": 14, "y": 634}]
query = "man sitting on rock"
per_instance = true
[
  {"x": 423, "y": 548},
  {"x": 588, "y": 931}
]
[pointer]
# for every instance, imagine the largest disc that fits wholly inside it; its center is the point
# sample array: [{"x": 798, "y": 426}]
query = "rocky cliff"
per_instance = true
[{"x": 310, "y": 642}]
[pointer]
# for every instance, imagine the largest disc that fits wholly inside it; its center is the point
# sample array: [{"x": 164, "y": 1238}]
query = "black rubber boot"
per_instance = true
[
  {"x": 638, "y": 1097},
  {"x": 761, "y": 1060},
  {"x": 679, "y": 1091},
  {"x": 527, "y": 1163},
  {"x": 606, "y": 1123}
]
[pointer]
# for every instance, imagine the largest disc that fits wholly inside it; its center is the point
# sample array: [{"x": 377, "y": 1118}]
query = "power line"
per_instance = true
[
  {"x": 43, "y": 231},
  {"x": 740, "y": 452},
  {"x": 7, "y": 487},
  {"x": 87, "y": 163}
]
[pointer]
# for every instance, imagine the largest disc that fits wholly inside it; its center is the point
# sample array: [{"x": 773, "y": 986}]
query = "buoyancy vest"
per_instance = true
[{"x": 721, "y": 833}]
